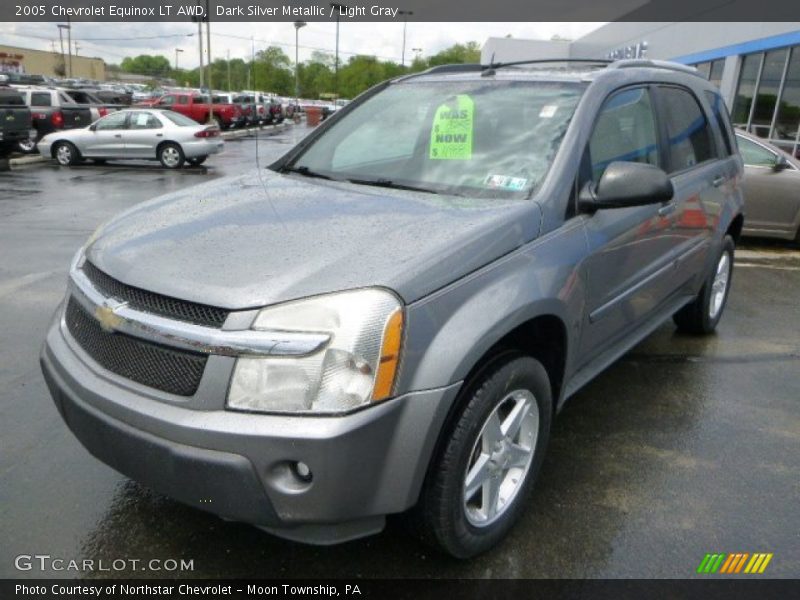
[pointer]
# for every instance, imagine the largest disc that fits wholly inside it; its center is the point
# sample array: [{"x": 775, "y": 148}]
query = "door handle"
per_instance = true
[
  {"x": 667, "y": 209},
  {"x": 718, "y": 180},
  {"x": 159, "y": 135},
  {"x": 117, "y": 135}
]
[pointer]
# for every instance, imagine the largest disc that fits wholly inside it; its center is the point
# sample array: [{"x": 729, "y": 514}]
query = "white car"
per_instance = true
[{"x": 145, "y": 134}]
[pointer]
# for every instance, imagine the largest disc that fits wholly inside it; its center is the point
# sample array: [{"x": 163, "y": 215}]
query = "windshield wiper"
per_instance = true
[
  {"x": 306, "y": 172},
  {"x": 388, "y": 183}
]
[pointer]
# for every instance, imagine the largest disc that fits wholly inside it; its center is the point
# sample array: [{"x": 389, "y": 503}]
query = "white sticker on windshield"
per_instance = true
[
  {"x": 548, "y": 111},
  {"x": 503, "y": 182}
]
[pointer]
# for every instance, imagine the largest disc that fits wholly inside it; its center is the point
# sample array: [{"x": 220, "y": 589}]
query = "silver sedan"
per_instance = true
[{"x": 162, "y": 135}]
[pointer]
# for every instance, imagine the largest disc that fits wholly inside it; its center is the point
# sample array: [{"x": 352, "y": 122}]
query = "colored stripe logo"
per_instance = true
[{"x": 735, "y": 563}]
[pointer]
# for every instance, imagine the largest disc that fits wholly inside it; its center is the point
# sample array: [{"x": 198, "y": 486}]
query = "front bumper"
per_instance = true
[{"x": 237, "y": 465}]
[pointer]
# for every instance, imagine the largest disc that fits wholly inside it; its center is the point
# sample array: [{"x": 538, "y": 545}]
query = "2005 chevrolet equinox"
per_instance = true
[{"x": 390, "y": 316}]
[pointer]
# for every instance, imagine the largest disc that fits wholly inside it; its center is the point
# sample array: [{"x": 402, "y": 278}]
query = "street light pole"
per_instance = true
[
  {"x": 229, "y": 69},
  {"x": 337, "y": 7},
  {"x": 200, "y": 47},
  {"x": 297, "y": 26},
  {"x": 208, "y": 46},
  {"x": 177, "y": 51},
  {"x": 406, "y": 14}
]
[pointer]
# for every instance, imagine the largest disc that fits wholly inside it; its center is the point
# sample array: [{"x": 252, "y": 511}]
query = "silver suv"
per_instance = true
[{"x": 391, "y": 315}]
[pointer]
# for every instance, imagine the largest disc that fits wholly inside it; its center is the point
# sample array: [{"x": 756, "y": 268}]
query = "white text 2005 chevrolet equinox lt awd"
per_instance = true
[{"x": 393, "y": 318}]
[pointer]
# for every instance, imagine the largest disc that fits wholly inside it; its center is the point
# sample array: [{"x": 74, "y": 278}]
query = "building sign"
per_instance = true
[{"x": 637, "y": 50}]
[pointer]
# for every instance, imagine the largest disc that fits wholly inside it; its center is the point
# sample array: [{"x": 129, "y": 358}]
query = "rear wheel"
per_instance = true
[
  {"x": 703, "y": 314},
  {"x": 482, "y": 478},
  {"x": 197, "y": 160},
  {"x": 66, "y": 154},
  {"x": 27, "y": 146},
  {"x": 171, "y": 156}
]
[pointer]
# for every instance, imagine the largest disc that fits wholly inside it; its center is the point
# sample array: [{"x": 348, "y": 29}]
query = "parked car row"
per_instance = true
[{"x": 228, "y": 109}]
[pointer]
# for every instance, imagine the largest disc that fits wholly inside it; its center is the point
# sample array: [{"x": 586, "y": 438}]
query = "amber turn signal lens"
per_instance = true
[{"x": 390, "y": 357}]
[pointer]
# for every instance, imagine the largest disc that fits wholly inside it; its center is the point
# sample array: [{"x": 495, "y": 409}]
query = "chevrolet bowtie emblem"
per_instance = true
[{"x": 107, "y": 316}]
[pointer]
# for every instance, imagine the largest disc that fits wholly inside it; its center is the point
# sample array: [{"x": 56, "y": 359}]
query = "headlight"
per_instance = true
[{"x": 356, "y": 367}]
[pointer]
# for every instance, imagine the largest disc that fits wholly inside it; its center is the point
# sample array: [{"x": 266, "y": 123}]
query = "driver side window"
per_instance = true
[{"x": 625, "y": 130}]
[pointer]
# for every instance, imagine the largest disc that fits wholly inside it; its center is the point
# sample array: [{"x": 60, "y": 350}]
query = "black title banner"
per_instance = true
[{"x": 399, "y": 10}]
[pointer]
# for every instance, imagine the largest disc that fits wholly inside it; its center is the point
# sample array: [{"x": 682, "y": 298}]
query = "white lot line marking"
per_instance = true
[
  {"x": 757, "y": 266},
  {"x": 12, "y": 285}
]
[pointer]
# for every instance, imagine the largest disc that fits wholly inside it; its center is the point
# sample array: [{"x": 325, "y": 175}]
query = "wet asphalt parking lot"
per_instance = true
[{"x": 685, "y": 446}]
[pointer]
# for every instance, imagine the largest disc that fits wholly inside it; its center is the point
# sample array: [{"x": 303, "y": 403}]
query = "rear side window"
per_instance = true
[
  {"x": 40, "y": 99},
  {"x": 720, "y": 113},
  {"x": 625, "y": 130},
  {"x": 690, "y": 138},
  {"x": 10, "y": 97}
]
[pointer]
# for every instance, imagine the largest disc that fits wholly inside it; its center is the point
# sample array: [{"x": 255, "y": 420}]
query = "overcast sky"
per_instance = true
[{"x": 114, "y": 41}]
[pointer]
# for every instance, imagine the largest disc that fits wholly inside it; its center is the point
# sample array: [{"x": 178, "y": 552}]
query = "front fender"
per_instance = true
[{"x": 448, "y": 332}]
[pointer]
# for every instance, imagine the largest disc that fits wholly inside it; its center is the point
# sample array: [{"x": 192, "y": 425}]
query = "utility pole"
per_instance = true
[
  {"x": 69, "y": 45},
  {"x": 406, "y": 14},
  {"x": 297, "y": 26},
  {"x": 177, "y": 51},
  {"x": 208, "y": 46},
  {"x": 61, "y": 28},
  {"x": 229, "y": 69},
  {"x": 77, "y": 47},
  {"x": 252, "y": 64}
]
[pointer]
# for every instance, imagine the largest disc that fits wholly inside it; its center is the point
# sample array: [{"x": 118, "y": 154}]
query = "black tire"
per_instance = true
[
  {"x": 697, "y": 317},
  {"x": 170, "y": 155},
  {"x": 197, "y": 160},
  {"x": 444, "y": 516},
  {"x": 66, "y": 154},
  {"x": 27, "y": 146}
]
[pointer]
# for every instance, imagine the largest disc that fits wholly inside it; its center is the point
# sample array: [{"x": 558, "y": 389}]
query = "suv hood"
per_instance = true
[{"x": 237, "y": 244}]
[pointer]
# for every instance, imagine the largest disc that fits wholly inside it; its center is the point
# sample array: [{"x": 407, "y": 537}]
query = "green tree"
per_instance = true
[
  {"x": 457, "y": 54},
  {"x": 273, "y": 71},
  {"x": 146, "y": 64}
]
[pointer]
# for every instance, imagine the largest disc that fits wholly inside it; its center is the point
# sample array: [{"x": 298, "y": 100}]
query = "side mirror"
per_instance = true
[
  {"x": 626, "y": 184},
  {"x": 93, "y": 127},
  {"x": 780, "y": 163}
]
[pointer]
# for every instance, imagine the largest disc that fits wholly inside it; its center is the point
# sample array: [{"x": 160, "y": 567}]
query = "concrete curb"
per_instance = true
[{"x": 234, "y": 134}]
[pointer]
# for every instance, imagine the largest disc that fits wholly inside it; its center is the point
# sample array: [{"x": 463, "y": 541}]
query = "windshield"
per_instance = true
[{"x": 475, "y": 138}]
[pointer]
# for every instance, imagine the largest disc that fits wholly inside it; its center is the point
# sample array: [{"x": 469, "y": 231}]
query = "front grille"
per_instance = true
[
  {"x": 174, "y": 371},
  {"x": 181, "y": 310}
]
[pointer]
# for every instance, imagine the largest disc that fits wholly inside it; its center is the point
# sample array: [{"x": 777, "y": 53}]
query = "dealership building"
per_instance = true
[{"x": 755, "y": 65}]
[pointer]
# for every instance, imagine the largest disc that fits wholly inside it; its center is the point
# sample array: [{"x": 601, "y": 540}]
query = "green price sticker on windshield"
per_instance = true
[{"x": 451, "y": 135}]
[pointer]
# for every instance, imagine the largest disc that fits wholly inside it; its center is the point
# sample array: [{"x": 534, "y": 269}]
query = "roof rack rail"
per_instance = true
[
  {"x": 596, "y": 61},
  {"x": 457, "y": 68},
  {"x": 653, "y": 64}
]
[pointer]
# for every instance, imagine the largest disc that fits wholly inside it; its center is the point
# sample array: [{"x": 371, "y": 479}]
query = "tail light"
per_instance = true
[
  {"x": 103, "y": 111},
  {"x": 57, "y": 119},
  {"x": 207, "y": 133}
]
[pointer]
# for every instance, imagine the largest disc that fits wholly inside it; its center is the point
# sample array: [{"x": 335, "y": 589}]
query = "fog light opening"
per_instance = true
[{"x": 302, "y": 471}]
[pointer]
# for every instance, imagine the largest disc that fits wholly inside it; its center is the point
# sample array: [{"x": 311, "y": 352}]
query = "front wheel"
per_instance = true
[
  {"x": 171, "y": 156},
  {"x": 703, "y": 314},
  {"x": 483, "y": 476},
  {"x": 66, "y": 154}
]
